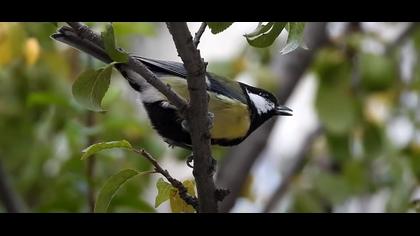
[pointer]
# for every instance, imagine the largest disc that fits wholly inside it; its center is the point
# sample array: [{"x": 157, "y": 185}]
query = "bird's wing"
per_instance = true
[
  {"x": 227, "y": 87},
  {"x": 165, "y": 67},
  {"x": 217, "y": 84}
]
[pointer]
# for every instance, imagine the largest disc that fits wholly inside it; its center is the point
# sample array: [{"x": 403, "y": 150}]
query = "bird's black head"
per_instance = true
[{"x": 263, "y": 106}]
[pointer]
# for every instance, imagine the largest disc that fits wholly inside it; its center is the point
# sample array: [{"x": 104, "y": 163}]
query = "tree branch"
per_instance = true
[
  {"x": 199, "y": 34},
  {"x": 88, "y": 41},
  {"x": 9, "y": 197},
  {"x": 197, "y": 115},
  {"x": 236, "y": 167},
  {"x": 183, "y": 192},
  {"x": 296, "y": 168},
  {"x": 402, "y": 37}
]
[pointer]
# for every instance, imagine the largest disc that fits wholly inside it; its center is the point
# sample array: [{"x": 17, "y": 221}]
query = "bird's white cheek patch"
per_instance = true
[{"x": 263, "y": 105}]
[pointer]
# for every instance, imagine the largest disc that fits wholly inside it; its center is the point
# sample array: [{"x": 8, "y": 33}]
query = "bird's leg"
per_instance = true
[
  {"x": 213, "y": 164},
  {"x": 185, "y": 126},
  {"x": 190, "y": 159},
  {"x": 210, "y": 118},
  {"x": 173, "y": 144}
]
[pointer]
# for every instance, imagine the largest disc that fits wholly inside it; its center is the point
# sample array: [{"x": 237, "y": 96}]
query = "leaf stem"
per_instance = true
[{"x": 182, "y": 190}]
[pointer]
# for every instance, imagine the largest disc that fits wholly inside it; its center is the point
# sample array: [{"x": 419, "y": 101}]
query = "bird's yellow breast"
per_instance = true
[{"x": 231, "y": 117}]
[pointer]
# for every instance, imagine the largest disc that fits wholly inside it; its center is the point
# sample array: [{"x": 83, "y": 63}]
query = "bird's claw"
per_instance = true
[
  {"x": 185, "y": 126},
  {"x": 210, "y": 119},
  {"x": 213, "y": 165},
  {"x": 190, "y": 159}
]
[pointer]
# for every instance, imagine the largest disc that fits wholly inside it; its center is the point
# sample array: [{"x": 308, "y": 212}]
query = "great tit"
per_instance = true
[{"x": 237, "y": 109}]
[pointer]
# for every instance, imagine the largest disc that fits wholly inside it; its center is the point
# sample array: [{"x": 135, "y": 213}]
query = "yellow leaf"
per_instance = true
[
  {"x": 5, "y": 49},
  {"x": 190, "y": 185},
  {"x": 12, "y": 37},
  {"x": 177, "y": 204},
  {"x": 31, "y": 51}
]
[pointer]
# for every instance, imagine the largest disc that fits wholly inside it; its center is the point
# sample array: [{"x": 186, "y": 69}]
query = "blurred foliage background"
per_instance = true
[{"x": 367, "y": 103}]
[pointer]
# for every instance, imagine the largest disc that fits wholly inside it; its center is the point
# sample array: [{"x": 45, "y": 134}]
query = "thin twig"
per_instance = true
[
  {"x": 199, "y": 33},
  {"x": 88, "y": 41},
  {"x": 293, "y": 171},
  {"x": 197, "y": 115},
  {"x": 92, "y": 42},
  {"x": 182, "y": 190},
  {"x": 401, "y": 37}
]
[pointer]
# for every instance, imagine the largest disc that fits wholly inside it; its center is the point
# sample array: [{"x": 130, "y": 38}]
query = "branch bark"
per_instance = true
[
  {"x": 83, "y": 38},
  {"x": 295, "y": 169},
  {"x": 197, "y": 115},
  {"x": 199, "y": 34},
  {"x": 235, "y": 167}
]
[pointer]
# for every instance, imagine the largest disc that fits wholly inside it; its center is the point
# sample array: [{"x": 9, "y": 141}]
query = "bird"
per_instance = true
[{"x": 236, "y": 109}]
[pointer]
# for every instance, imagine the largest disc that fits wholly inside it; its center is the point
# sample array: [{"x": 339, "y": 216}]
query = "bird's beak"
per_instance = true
[{"x": 283, "y": 111}]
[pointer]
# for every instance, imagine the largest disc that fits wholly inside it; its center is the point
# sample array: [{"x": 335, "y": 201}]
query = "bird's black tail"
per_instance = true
[{"x": 67, "y": 36}]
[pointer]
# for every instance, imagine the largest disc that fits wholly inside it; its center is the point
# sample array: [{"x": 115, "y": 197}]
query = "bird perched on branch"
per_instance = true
[{"x": 236, "y": 109}]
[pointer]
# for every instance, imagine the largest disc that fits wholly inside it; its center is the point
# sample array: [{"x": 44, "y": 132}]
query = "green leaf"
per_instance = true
[
  {"x": 91, "y": 86},
  {"x": 373, "y": 140},
  {"x": 261, "y": 28},
  {"x": 416, "y": 38},
  {"x": 414, "y": 158},
  {"x": 377, "y": 72},
  {"x": 54, "y": 23},
  {"x": 217, "y": 27},
  {"x": 131, "y": 28},
  {"x": 268, "y": 36},
  {"x": 305, "y": 201},
  {"x": 97, "y": 147},
  {"x": 355, "y": 174},
  {"x": 336, "y": 108},
  {"x": 164, "y": 189},
  {"x": 295, "y": 37},
  {"x": 110, "y": 45},
  {"x": 111, "y": 187},
  {"x": 178, "y": 205},
  {"x": 331, "y": 187},
  {"x": 46, "y": 98},
  {"x": 339, "y": 146}
]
